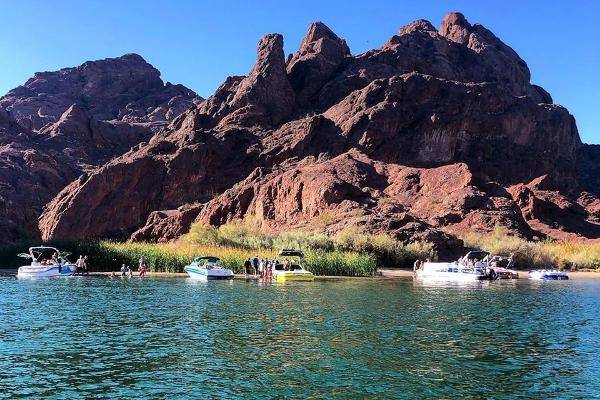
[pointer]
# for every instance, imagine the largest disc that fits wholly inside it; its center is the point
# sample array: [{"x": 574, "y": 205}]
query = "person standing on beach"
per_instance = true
[
  {"x": 255, "y": 263},
  {"x": 80, "y": 263},
  {"x": 247, "y": 266}
]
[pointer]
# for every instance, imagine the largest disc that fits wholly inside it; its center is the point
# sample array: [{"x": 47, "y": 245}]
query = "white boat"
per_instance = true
[
  {"x": 548, "y": 275},
  {"x": 474, "y": 266},
  {"x": 293, "y": 268},
  {"x": 43, "y": 265},
  {"x": 208, "y": 268}
]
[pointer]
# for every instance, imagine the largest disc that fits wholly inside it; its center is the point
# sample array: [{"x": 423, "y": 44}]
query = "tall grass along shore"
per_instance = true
[
  {"x": 172, "y": 257},
  {"x": 541, "y": 254},
  {"x": 348, "y": 253}
]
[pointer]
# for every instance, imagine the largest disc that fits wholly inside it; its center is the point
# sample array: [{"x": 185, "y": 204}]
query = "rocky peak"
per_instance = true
[
  {"x": 320, "y": 54},
  {"x": 419, "y": 25},
  {"x": 103, "y": 87},
  {"x": 265, "y": 96},
  {"x": 318, "y": 33},
  {"x": 456, "y": 27}
]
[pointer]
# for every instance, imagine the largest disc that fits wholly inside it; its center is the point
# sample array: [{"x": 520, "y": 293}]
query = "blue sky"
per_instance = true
[{"x": 200, "y": 43}]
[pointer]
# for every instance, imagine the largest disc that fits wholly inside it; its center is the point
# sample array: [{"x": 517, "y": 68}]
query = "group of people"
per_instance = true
[
  {"x": 261, "y": 267},
  {"x": 82, "y": 268},
  {"x": 127, "y": 272}
]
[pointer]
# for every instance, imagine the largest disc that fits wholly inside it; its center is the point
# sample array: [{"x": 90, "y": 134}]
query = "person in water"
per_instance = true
[
  {"x": 247, "y": 266},
  {"x": 142, "y": 271},
  {"x": 124, "y": 270},
  {"x": 142, "y": 267},
  {"x": 269, "y": 272}
]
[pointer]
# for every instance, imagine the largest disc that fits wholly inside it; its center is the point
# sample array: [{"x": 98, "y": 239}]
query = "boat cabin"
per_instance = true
[
  {"x": 207, "y": 262},
  {"x": 43, "y": 255},
  {"x": 294, "y": 258}
]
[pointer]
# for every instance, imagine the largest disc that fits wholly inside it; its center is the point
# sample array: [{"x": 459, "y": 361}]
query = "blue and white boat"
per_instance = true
[
  {"x": 208, "y": 267},
  {"x": 548, "y": 275},
  {"x": 46, "y": 262}
]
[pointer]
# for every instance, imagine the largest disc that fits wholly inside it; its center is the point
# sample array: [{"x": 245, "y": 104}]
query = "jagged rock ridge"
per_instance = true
[{"x": 436, "y": 133}]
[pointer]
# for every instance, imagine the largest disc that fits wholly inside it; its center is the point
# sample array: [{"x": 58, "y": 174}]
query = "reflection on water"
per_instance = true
[{"x": 67, "y": 338}]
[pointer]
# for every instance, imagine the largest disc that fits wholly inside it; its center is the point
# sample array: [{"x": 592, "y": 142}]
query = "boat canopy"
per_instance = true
[
  {"x": 207, "y": 258},
  {"x": 38, "y": 251},
  {"x": 476, "y": 255},
  {"x": 290, "y": 253}
]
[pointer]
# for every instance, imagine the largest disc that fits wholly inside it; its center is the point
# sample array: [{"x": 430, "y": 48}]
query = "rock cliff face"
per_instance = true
[
  {"x": 61, "y": 124},
  {"x": 437, "y": 133}
]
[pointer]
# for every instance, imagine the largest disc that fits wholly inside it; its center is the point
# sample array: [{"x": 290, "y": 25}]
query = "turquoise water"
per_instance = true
[{"x": 173, "y": 338}]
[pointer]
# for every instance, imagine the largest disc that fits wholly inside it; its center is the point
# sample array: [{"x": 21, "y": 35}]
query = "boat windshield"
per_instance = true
[
  {"x": 289, "y": 264},
  {"x": 43, "y": 253},
  {"x": 206, "y": 259}
]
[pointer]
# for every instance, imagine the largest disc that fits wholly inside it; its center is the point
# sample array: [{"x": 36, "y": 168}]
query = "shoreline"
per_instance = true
[{"x": 384, "y": 274}]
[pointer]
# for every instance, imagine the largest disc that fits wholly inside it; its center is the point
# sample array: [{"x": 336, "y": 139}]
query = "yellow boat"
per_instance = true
[{"x": 289, "y": 267}]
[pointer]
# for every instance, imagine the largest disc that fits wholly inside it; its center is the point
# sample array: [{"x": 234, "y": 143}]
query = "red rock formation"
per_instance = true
[
  {"x": 163, "y": 226},
  {"x": 89, "y": 142},
  {"x": 264, "y": 97},
  {"x": 320, "y": 54},
  {"x": 418, "y": 138},
  {"x": 29, "y": 177},
  {"x": 124, "y": 87},
  {"x": 66, "y": 108}
]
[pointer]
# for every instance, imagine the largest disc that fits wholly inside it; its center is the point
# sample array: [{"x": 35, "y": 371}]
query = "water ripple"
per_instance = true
[{"x": 173, "y": 338}]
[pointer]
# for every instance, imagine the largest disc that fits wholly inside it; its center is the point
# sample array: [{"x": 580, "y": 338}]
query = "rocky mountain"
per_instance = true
[
  {"x": 437, "y": 133},
  {"x": 64, "y": 123},
  {"x": 126, "y": 88}
]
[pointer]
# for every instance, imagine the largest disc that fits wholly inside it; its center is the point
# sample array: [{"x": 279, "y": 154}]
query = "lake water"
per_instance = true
[{"x": 173, "y": 338}]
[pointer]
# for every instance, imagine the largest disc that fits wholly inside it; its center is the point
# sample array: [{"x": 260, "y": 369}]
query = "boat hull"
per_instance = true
[
  {"x": 448, "y": 272},
  {"x": 208, "y": 275},
  {"x": 291, "y": 276},
  {"x": 449, "y": 276},
  {"x": 548, "y": 276},
  {"x": 46, "y": 271}
]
